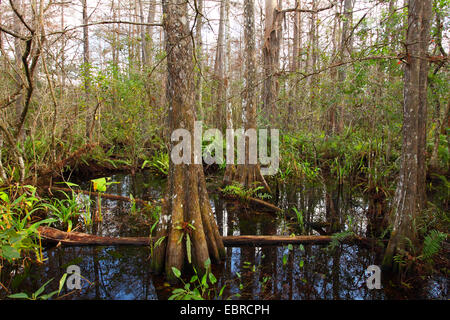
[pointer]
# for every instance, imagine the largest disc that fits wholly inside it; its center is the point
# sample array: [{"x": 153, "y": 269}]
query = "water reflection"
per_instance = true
[{"x": 304, "y": 272}]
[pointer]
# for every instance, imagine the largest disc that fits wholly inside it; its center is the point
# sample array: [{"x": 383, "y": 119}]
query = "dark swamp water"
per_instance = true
[{"x": 298, "y": 273}]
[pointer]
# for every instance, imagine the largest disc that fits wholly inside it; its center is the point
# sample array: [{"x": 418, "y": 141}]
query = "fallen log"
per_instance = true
[
  {"x": 55, "y": 168},
  {"x": 52, "y": 235},
  {"x": 264, "y": 204},
  {"x": 103, "y": 195},
  {"x": 252, "y": 201}
]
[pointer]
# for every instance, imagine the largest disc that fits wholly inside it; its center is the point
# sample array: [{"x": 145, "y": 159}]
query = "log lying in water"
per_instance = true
[
  {"x": 103, "y": 195},
  {"x": 52, "y": 235},
  {"x": 264, "y": 204},
  {"x": 253, "y": 201}
]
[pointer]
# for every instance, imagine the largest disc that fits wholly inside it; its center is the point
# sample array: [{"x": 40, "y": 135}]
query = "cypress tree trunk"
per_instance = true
[
  {"x": 199, "y": 55},
  {"x": 345, "y": 51},
  {"x": 271, "y": 53},
  {"x": 219, "y": 70},
  {"x": 86, "y": 62},
  {"x": 410, "y": 194},
  {"x": 186, "y": 198},
  {"x": 248, "y": 174}
]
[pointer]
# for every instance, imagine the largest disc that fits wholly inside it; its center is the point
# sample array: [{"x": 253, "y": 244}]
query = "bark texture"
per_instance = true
[
  {"x": 186, "y": 200},
  {"x": 249, "y": 174},
  {"x": 410, "y": 193}
]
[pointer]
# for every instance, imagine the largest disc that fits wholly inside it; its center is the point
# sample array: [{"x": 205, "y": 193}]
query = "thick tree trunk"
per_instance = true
[
  {"x": 186, "y": 200},
  {"x": 410, "y": 194}
]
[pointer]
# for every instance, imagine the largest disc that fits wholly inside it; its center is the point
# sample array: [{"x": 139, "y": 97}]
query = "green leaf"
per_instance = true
[
  {"x": 21, "y": 295},
  {"x": 221, "y": 290},
  {"x": 181, "y": 238},
  {"x": 4, "y": 197},
  {"x": 176, "y": 272},
  {"x": 61, "y": 282},
  {"x": 41, "y": 289},
  {"x": 188, "y": 248},
  {"x": 207, "y": 263},
  {"x": 285, "y": 257},
  {"x": 9, "y": 252},
  {"x": 178, "y": 291},
  {"x": 70, "y": 184},
  {"x": 48, "y": 296},
  {"x": 204, "y": 279},
  {"x": 212, "y": 278},
  {"x": 99, "y": 184}
]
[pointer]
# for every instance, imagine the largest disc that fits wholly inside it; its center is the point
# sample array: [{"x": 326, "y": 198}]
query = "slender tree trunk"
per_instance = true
[
  {"x": 3, "y": 176},
  {"x": 199, "y": 55},
  {"x": 410, "y": 194},
  {"x": 296, "y": 65},
  {"x": 19, "y": 66},
  {"x": 344, "y": 51},
  {"x": 248, "y": 174},
  {"x": 149, "y": 32},
  {"x": 331, "y": 114},
  {"x": 440, "y": 125},
  {"x": 230, "y": 168},
  {"x": 186, "y": 198},
  {"x": 144, "y": 46},
  {"x": 219, "y": 80},
  {"x": 86, "y": 61},
  {"x": 271, "y": 53}
]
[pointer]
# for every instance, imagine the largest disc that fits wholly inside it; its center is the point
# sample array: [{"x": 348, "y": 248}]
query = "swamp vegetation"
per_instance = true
[{"x": 93, "y": 90}]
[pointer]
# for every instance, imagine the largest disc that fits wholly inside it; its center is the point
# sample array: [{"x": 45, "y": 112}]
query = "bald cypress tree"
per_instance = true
[
  {"x": 410, "y": 197},
  {"x": 186, "y": 212}
]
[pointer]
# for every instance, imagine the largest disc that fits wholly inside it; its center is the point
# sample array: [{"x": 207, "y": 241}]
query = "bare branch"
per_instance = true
[
  {"x": 105, "y": 22},
  {"x": 297, "y": 9},
  {"x": 14, "y": 34}
]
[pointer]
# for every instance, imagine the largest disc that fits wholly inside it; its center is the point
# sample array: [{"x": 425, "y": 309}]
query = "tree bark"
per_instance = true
[
  {"x": 230, "y": 168},
  {"x": 52, "y": 235},
  {"x": 219, "y": 73},
  {"x": 249, "y": 174},
  {"x": 271, "y": 53},
  {"x": 86, "y": 67},
  {"x": 199, "y": 60},
  {"x": 19, "y": 66},
  {"x": 344, "y": 52},
  {"x": 410, "y": 193},
  {"x": 186, "y": 199}
]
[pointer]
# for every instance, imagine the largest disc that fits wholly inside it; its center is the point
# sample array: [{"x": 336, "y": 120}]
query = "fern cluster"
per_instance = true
[{"x": 432, "y": 244}]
